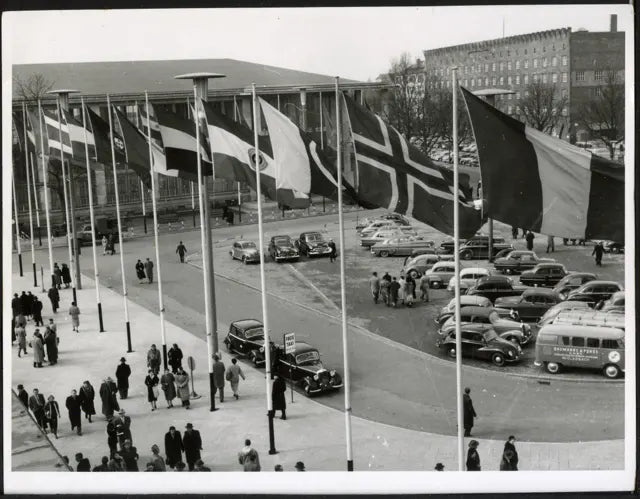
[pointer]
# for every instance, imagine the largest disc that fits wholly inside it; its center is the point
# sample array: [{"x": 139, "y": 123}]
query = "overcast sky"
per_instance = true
[{"x": 353, "y": 43}]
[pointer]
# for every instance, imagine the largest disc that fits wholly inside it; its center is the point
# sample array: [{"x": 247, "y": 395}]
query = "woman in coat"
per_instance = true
[
  {"x": 140, "y": 271},
  {"x": 152, "y": 382},
  {"x": 173, "y": 447},
  {"x": 57, "y": 276},
  {"x": 66, "y": 275},
  {"x": 74, "y": 312},
  {"x": 54, "y": 297},
  {"x": 87, "y": 395},
  {"x": 51, "y": 342},
  {"x": 73, "y": 406},
  {"x": 38, "y": 349},
  {"x": 278, "y": 396},
  {"x": 104, "y": 245},
  {"x": 402, "y": 291},
  {"x": 182, "y": 383},
  {"x": 175, "y": 358},
  {"x": 473, "y": 458},
  {"x": 167, "y": 382},
  {"x": 21, "y": 334},
  {"x": 52, "y": 413},
  {"x": 130, "y": 456},
  {"x": 108, "y": 390}
]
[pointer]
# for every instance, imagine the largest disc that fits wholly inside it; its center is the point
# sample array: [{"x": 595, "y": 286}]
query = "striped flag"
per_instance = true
[
  {"x": 392, "y": 173},
  {"x": 535, "y": 181},
  {"x": 52, "y": 129},
  {"x": 135, "y": 147},
  {"x": 77, "y": 137}
]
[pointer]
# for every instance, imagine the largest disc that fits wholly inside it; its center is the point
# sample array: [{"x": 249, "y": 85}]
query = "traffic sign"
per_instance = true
[{"x": 289, "y": 343}]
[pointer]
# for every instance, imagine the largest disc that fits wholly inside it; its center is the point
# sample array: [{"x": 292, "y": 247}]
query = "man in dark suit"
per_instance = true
[
  {"x": 468, "y": 411},
  {"x": 218, "y": 375},
  {"x": 510, "y": 444},
  {"x": 83, "y": 463},
  {"x": 36, "y": 404},
  {"x": 192, "y": 444},
  {"x": 16, "y": 305}
]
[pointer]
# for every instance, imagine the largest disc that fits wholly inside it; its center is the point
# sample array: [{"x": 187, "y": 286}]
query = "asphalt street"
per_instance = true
[{"x": 392, "y": 380}]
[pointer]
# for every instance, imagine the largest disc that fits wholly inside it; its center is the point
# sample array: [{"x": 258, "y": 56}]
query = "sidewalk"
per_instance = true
[{"x": 313, "y": 433}]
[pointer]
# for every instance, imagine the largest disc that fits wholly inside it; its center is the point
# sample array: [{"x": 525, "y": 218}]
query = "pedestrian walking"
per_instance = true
[
  {"x": 551, "y": 246},
  {"x": 469, "y": 412},
  {"x": 401, "y": 290},
  {"x": 234, "y": 373},
  {"x": 506, "y": 463},
  {"x": 74, "y": 313},
  {"x": 394, "y": 289},
  {"x": 374, "y": 286},
  {"x": 23, "y": 396},
  {"x": 37, "y": 311},
  {"x": 168, "y": 385},
  {"x": 51, "y": 342},
  {"x": 108, "y": 391},
  {"x": 87, "y": 396},
  {"x": 122, "y": 423},
  {"x": 111, "y": 244},
  {"x": 57, "y": 276},
  {"x": 278, "y": 398},
  {"x": 148, "y": 270},
  {"x": 66, "y": 275},
  {"x": 409, "y": 290},
  {"x": 140, "y": 271},
  {"x": 129, "y": 455},
  {"x": 514, "y": 232},
  {"x": 252, "y": 461},
  {"x": 510, "y": 445},
  {"x": 385, "y": 291},
  {"x": 123, "y": 371},
  {"x": 21, "y": 336},
  {"x": 424, "y": 287},
  {"x": 153, "y": 359},
  {"x": 473, "y": 458},
  {"x": 38, "y": 349},
  {"x": 529, "y": 238},
  {"x": 174, "y": 356},
  {"x": 173, "y": 447},
  {"x": 181, "y": 250},
  {"x": 182, "y": 384},
  {"x": 73, "y": 405},
  {"x": 218, "y": 375},
  {"x": 598, "y": 250},
  {"x": 104, "y": 245},
  {"x": 156, "y": 459},
  {"x": 152, "y": 382},
  {"x": 192, "y": 444},
  {"x": 334, "y": 251},
  {"x": 25, "y": 305},
  {"x": 83, "y": 463},
  {"x": 16, "y": 305},
  {"x": 52, "y": 414},
  {"x": 102, "y": 467},
  {"x": 20, "y": 320},
  {"x": 30, "y": 299},
  {"x": 54, "y": 298},
  {"x": 36, "y": 406},
  {"x": 112, "y": 436}
]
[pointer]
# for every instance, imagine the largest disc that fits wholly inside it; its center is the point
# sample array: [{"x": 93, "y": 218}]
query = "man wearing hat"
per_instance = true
[
  {"x": 439, "y": 467},
  {"x": 192, "y": 444},
  {"x": 123, "y": 371},
  {"x": 218, "y": 375},
  {"x": 300, "y": 466},
  {"x": 334, "y": 251},
  {"x": 122, "y": 424}
]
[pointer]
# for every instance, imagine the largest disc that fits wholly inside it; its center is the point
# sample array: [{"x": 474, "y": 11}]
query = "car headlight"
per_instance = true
[
  {"x": 332, "y": 372},
  {"x": 316, "y": 377},
  {"x": 510, "y": 353}
]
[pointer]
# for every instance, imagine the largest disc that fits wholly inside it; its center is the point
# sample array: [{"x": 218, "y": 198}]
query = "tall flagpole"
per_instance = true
[
  {"x": 115, "y": 188},
  {"x": 45, "y": 175},
  {"x": 343, "y": 293},
  {"x": 322, "y": 142},
  {"x": 163, "y": 333},
  {"x": 35, "y": 197},
  {"x": 96, "y": 275},
  {"x": 456, "y": 252},
  {"x": 26, "y": 167},
  {"x": 235, "y": 118},
  {"x": 193, "y": 198},
  {"x": 16, "y": 223},
  {"x": 263, "y": 285},
  {"x": 144, "y": 204}
]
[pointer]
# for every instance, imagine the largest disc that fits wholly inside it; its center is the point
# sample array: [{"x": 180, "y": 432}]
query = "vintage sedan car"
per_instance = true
[
  {"x": 379, "y": 225},
  {"x": 594, "y": 292},
  {"x": 440, "y": 274},
  {"x": 481, "y": 342},
  {"x": 532, "y": 304},
  {"x": 418, "y": 265},
  {"x": 468, "y": 278},
  {"x": 401, "y": 246},
  {"x": 518, "y": 260},
  {"x": 465, "y": 301},
  {"x": 549, "y": 316},
  {"x": 245, "y": 251},
  {"x": 246, "y": 338},
  {"x": 496, "y": 286},
  {"x": 505, "y": 326},
  {"x": 282, "y": 248},
  {"x": 543, "y": 274},
  {"x": 615, "y": 303},
  {"x": 612, "y": 247},
  {"x": 304, "y": 368},
  {"x": 572, "y": 281},
  {"x": 312, "y": 244},
  {"x": 363, "y": 222},
  {"x": 386, "y": 234}
]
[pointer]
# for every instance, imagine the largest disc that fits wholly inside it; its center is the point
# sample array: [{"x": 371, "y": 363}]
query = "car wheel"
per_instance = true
[
  {"x": 553, "y": 367},
  {"x": 611, "y": 371},
  {"x": 451, "y": 353},
  {"x": 413, "y": 274},
  {"x": 384, "y": 254},
  {"x": 467, "y": 255},
  {"x": 498, "y": 359}
]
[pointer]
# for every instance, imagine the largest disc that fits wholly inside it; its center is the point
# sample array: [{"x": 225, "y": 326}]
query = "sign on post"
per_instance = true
[
  {"x": 191, "y": 362},
  {"x": 289, "y": 340}
]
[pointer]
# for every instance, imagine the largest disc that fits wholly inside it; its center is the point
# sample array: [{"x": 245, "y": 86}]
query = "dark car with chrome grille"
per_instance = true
[
  {"x": 481, "y": 341},
  {"x": 282, "y": 248},
  {"x": 246, "y": 338}
]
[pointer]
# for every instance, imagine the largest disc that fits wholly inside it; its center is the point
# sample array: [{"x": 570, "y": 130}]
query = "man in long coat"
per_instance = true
[
  {"x": 173, "y": 446},
  {"x": 54, "y": 297},
  {"x": 374, "y": 286},
  {"x": 37, "y": 311},
  {"x": 174, "y": 355},
  {"x": 75, "y": 416},
  {"x": 468, "y": 412},
  {"x": 278, "y": 396},
  {"x": 192, "y": 444},
  {"x": 167, "y": 382},
  {"x": 25, "y": 303},
  {"x": 123, "y": 371},
  {"x": 218, "y": 375},
  {"x": 153, "y": 359},
  {"x": 87, "y": 395},
  {"x": 51, "y": 342},
  {"x": 16, "y": 305},
  {"x": 38, "y": 349},
  {"x": 36, "y": 405},
  {"x": 148, "y": 269},
  {"x": 108, "y": 391}
]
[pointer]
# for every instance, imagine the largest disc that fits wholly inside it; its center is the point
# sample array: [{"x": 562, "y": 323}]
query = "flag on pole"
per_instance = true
[
  {"x": 535, "y": 181},
  {"x": 135, "y": 147},
  {"x": 157, "y": 145},
  {"x": 77, "y": 136},
  {"x": 394, "y": 174},
  {"x": 52, "y": 130},
  {"x": 99, "y": 130}
]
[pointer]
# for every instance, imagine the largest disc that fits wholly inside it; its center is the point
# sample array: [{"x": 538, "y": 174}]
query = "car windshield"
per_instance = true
[
  {"x": 314, "y": 237},
  {"x": 248, "y": 245},
  {"x": 282, "y": 241},
  {"x": 490, "y": 334},
  {"x": 308, "y": 358},
  {"x": 254, "y": 333}
]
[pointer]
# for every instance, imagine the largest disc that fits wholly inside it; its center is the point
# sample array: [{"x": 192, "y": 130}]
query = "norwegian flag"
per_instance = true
[{"x": 393, "y": 174}]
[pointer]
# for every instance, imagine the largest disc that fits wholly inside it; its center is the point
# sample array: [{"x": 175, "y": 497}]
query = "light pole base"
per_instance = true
[{"x": 350, "y": 465}]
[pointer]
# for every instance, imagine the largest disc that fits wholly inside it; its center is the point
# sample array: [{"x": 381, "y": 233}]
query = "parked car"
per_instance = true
[
  {"x": 502, "y": 253},
  {"x": 481, "y": 341},
  {"x": 245, "y": 251},
  {"x": 103, "y": 227},
  {"x": 543, "y": 274},
  {"x": 363, "y": 222},
  {"x": 59, "y": 230},
  {"x": 468, "y": 277},
  {"x": 612, "y": 247},
  {"x": 594, "y": 291},
  {"x": 532, "y": 304},
  {"x": 312, "y": 244},
  {"x": 447, "y": 245},
  {"x": 418, "y": 265},
  {"x": 572, "y": 281},
  {"x": 379, "y": 225},
  {"x": 304, "y": 368},
  {"x": 401, "y": 246},
  {"x": 507, "y": 328},
  {"x": 465, "y": 301},
  {"x": 549, "y": 316},
  {"x": 246, "y": 338},
  {"x": 615, "y": 303},
  {"x": 440, "y": 274},
  {"x": 496, "y": 286},
  {"x": 478, "y": 249},
  {"x": 518, "y": 260},
  {"x": 386, "y": 234},
  {"x": 282, "y": 248}
]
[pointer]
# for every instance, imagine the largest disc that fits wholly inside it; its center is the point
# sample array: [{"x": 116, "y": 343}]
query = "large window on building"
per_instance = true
[
  {"x": 554, "y": 77},
  {"x": 473, "y": 82},
  {"x": 493, "y": 80},
  {"x": 579, "y": 75},
  {"x": 526, "y": 64},
  {"x": 508, "y": 65},
  {"x": 565, "y": 93},
  {"x": 598, "y": 91},
  {"x": 554, "y": 61},
  {"x": 544, "y": 62},
  {"x": 479, "y": 82},
  {"x": 535, "y": 63},
  {"x": 486, "y": 68},
  {"x": 564, "y": 60},
  {"x": 493, "y": 66},
  {"x": 564, "y": 77},
  {"x": 508, "y": 80},
  {"x": 518, "y": 110},
  {"x": 517, "y": 79},
  {"x": 598, "y": 75},
  {"x": 502, "y": 80},
  {"x": 517, "y": 65},
  {"x": 509, "y": 108},
  {"x": 525, "y": 79},
  {"x": 544, "y": 78},
  {"x": 536, "y": 78},
  {"x": 486, "y": 81},
  {"x": 517, "y": 95}
]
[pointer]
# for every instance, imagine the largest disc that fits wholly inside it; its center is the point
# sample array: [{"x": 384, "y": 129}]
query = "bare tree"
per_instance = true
[
  {"x": 405, "y": 99},
  {"x": 443, "y": 110},
  {"x": 32, "y": 87},
  {"x": 603, "y": 115},
  {"x": 541, "y": 106}
]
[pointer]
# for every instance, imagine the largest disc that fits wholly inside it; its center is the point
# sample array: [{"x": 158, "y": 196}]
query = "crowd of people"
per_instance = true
[{"x": 402, "y": 291}]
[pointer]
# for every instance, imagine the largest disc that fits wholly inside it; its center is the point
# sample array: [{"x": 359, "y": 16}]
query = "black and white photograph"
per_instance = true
[{"x": 384, "y": 246}]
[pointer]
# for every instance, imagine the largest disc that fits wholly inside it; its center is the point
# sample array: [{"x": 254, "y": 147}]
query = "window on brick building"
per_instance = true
[
  {"x": 486, "y": 68},
  {"x": 544, "y": 62},
  {"x": 510, "y": 96},
  {"x": 517, "y": 79},
  {"x": 493, "y": 66},
  {"x": 579, "y": 75},
  {"x": 526, "y": 93},
  {"x": 465, "y": 82},
  {"x": 564, "y": 77},
  {"x": 525, "y": 79},
  {"x": 554, "y": 77},
  {"x": 509, "y": 108},
  {"x": 598, "y": 75},
  {"x": 479, "y": 82},
  {"x": 536, "y": 77},
  {"x": 493, "y": 80},
  {"x": 525, "y": 51},
  {"x": 473, "y": 82},
  {"x": 502, "y": 66},
  {"x": 565, "y": 93},
  {"x": 517, "y": 65},
  {"x": 564, "y": 60},
  {"x": 535, "y": 63},
  {"x": 508, "y": 80},
  {"x": 517, "y": 95},
  {"x": 479, "y": 68},
  {"x": 509, "y": 66},
  {"x": 502, "y": 80},
  {"x": 486, "y": 81},
  {"x": 598, "y": 91},
  {"x": 526, "y": 64},
  {"x": 544, "y": 78},
  {"x": 518, "y": 110},
  {"x": 554, "y": 61}
]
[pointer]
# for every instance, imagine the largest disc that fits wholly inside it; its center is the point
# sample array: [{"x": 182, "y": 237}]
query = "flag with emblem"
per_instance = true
[
  {"x": 393, "y": 174},
  {"x": 99, "y": 130},
  {"x": 134, "y": 146}
]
